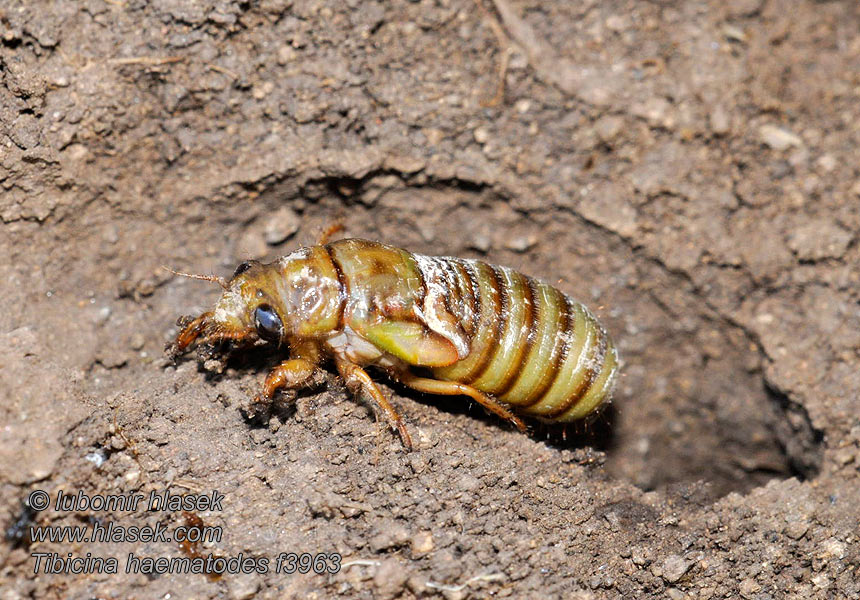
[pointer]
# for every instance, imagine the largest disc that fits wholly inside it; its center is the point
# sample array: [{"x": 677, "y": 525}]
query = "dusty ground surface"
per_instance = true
[{"x": 687, "y": 169}]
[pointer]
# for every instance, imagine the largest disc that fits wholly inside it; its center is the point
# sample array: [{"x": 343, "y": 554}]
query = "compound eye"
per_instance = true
[
  {"x": 244, "y": 267},
  {"x": 269, "y": 326}
]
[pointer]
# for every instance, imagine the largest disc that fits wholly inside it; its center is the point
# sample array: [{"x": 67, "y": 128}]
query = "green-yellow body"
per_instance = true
[{"x": 522, "y": 342}]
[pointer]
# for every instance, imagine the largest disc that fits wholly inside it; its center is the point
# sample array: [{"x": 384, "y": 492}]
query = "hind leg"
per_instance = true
[{"x": 452, "y": 388}]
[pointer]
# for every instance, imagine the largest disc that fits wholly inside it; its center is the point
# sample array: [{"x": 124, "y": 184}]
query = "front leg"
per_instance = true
[{"x": 358, "y": 380}]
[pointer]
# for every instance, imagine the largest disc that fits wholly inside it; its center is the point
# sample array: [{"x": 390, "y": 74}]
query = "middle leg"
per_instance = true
[{"x": 356, "y": 380}]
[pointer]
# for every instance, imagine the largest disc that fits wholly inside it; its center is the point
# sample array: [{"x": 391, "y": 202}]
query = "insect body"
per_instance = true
[{"x": 513, "y": 344}]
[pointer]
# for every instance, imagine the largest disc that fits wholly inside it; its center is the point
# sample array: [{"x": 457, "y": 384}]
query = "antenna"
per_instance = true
[{"x": 219, "y": 280}]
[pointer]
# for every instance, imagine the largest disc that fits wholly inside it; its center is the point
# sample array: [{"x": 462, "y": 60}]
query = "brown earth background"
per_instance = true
[{"x": 687, "y": 169}]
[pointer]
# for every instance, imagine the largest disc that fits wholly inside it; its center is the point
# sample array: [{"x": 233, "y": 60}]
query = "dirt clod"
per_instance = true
[
  {"x": 390, "y": 578},
  {"x": 673, "y": 568}
]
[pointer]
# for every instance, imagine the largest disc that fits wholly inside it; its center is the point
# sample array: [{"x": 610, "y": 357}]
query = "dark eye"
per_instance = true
[
  {"x": 244, "y": 267},
  {"x": 268, "y": 323}
]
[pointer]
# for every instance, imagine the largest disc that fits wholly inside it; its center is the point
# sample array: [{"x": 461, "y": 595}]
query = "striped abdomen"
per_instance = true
[{"x": 530, "y": 345}]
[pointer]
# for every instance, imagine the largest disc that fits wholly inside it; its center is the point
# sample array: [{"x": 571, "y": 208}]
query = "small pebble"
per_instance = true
[
  {"x": 137, "y": 341},
  {"x": 146, "y": 287},
  {"x": 422, "y": 543},
  {"x": 608, "y": 128},
  {"x": 719, "y": 120},
  {"x": 404, "y": 163},
  {"x": 743, "y": 8},
  {"x": 281, "y": 225},
  {"x": 434, "y": 136},
  {"x": 481, "y": 242},
  {"x": 748, "y": 588},
  {"x": 735, "y": 34},
  {"x": 779, "y": 138},
  {"x": 391, "y": 537},
  {"x": 657, "y": 111},
  {"x": 213, "y": 365},
  {"x": 286, "y": 54},
  {"x": 97, "y": 458},
  {"x": 25, "y": 131},
  {"x": 831, "y": 550},
  {"x": 521, "y": 243},
  {"x": 827, "y": 163},
  {"x": 111, "y": 235},
  {"x": 468, "y": 483},
  {"x": 261, "y": 91},
  {"x": 639, "y": 557},
  {"x": 482, "y": 135},
  {"x": 674, "y": 567},
  {"x": 103, "y": 315}
]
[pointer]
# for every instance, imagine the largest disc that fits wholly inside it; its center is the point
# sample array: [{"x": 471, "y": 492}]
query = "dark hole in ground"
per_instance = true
[
  {"x": 735, "y": 452},
  {"x": 800, "y": 441}
]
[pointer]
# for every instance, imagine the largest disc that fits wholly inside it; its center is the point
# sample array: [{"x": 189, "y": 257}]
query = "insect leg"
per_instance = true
[
  {"x": 191, "y": 331},
  {"x": 330, "y": 231},
  {"x": 290, "y": 374},
  {"x": 301, "y": 370},
  {"x": 357, "y": 379},
  {"x": 452, "y": 388}
]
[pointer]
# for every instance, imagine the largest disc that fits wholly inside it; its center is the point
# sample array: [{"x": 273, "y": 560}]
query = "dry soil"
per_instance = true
[{"x": 687, "y": 169}]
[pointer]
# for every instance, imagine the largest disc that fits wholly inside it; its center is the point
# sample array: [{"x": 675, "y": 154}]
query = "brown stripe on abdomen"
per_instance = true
[
  {"x": 494, "y": 278},
  {"x": 487, "y": 332},
  {"x": 534, "y": 348},
  {"x": 508, "y": 344},
  {"x": 541, "y": 366},
  {"x": 517, "y": 338},
  {"x": 591, "y": 366},
  {"x": 343, "y": 290}
]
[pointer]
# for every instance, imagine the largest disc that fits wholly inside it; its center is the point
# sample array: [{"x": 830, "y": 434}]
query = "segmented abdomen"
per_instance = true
[{"x": 530, "y": 345}]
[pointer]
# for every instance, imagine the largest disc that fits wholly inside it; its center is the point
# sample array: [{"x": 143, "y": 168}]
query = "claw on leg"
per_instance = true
[
  {"x": 452, "y": 388},
  {"x": 191, "y": 331},
  {"x": 357, "y": 379}
]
